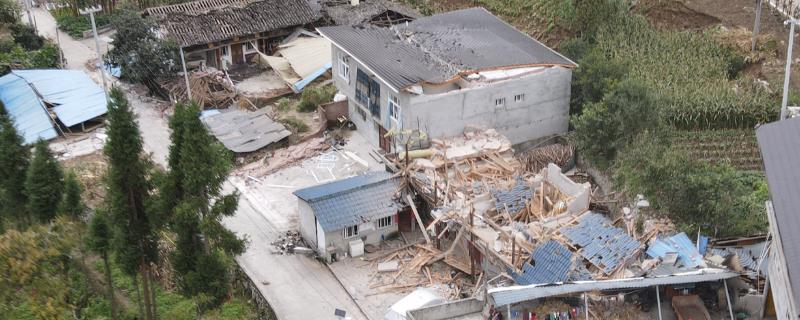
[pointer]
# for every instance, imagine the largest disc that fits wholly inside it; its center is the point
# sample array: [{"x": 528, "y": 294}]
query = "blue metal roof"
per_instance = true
[
  {"x": 352, "y": 201},
  {"x": 29, "y": 115},
  {"x": 513, "y": 199},
  {"x": 74, "y": 96},
  {"x": 680, "y": 244},
  {"x": 550, "y": 263},
  {"x": 604, "y": 245}
]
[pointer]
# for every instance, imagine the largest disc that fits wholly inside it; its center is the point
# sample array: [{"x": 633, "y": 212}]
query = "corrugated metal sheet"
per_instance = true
[
  {"x": 352, "y": 201},
  {"x": 604, "y": 245},
  {"x": 680, "y": 244},
  {"x": 514, "y": 199},
  {"x": 550, "y": 263},
  {"x": 438, "y": 48},
  {"x": 516, "y": 294},
  {"x": 25, "y": 108},
  {"x": 780, "y": 149},
  {"x": 244, "y": 131},
  {"x": 75, "y": 96}
]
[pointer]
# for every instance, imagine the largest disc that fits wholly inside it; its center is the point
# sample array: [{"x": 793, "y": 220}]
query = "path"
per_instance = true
[{"x": 297, "y": 287}]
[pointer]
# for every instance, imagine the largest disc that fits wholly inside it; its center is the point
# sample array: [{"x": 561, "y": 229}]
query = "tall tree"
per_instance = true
[
  {"x": 43, "y": 183},
  {"x": 13, "y": 164},
  {"x": 71, "y": 204},
  {"x": 198, "y": 167},
  {"x": 100, "y": 242},
  {"x": 128, "y": 192}
]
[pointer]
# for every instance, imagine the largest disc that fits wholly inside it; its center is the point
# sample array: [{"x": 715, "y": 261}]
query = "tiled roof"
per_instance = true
[
  {"x": 441, "y": 47},
  {"x": 352, "y": 201},
  {"x": 550, "y": 263},
  {"x": 207, "y": 21},
  {"x": 513, "y": 199},
  {"x": 604, "y": 245}
]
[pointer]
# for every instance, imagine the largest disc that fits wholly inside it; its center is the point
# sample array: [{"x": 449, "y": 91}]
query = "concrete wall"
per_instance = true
[
  {"x": 308, "y": 223},
  {"x": 447, "y": 310},
  {"x": 368, "y": 235},
  {"x": 544, "y": 110},
  {"x": 780, "y": 285}
]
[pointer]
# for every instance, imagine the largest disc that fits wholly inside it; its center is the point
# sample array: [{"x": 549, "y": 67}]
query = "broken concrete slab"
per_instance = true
[{"x": 389, "y": 266}]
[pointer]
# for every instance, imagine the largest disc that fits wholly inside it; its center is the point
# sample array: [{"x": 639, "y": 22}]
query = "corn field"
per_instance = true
[{"x": 737, "y": 147}]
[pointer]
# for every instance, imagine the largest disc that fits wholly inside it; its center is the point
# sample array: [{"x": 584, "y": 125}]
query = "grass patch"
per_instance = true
[
  {"x": 312, "y": 97},
  {"x": 294, "y": 124},
  {"x": 76, "y": 25}
]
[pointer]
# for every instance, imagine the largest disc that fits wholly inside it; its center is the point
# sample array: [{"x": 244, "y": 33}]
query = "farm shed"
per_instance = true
[
  {"x": 30, "y": 96},
  {"x": 219, "y": 33}
]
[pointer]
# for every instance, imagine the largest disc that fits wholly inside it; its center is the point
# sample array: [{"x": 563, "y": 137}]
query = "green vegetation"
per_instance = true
[
  {"x": 71, "y": 204},
  {"x": 75, "y": 25},
  {"x": 295, "y": 124},
  {"x": 312, "y": 97},
  {"x": 737, "y": 147},
  {"x": 43, "y": 183},
  {"x": 20, "y": 47},
  {"x": 283, "y": 104},
  {"x": 143, "y": 57},
  {"x": 13, "y": 164}
]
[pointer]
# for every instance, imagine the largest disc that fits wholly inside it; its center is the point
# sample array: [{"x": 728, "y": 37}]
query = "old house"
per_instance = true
[
  {"x": 230, "y": 31},
  {"x": 350, "y": 212},
  {"x": 780, "y": 149},
  {"x": 448, "y": 71}
]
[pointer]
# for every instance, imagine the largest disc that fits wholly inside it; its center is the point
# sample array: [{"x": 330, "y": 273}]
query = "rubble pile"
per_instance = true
[
  {"x": 285, "y": 157},
  {"x": 289, "y": 243},
  {"x": 537, "y": 159},
  {"x": 211, "y": 89}
]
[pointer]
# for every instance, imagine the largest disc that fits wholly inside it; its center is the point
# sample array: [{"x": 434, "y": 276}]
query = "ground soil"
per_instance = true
[{"x": 677, "y": 15}]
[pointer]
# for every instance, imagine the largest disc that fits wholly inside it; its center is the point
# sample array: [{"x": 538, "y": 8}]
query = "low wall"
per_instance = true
[
  {"x": 245, "y": 286},
  {"x": 335, "y": 110},
  {"x": 447, "y": 310}
]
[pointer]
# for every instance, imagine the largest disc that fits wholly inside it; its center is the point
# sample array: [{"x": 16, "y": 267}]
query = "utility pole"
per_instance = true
[
  {"x": 90, "y": 11},
  {"x": 791, "y": 22},
  {"x": 757, "y": 26},
  {"x": 60, "y": 51},
  {"x": 30, "y": 16},
  {"x": 186, "y": 76}
]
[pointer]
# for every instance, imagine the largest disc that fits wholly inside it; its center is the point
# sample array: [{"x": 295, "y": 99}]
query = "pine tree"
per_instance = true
[
  {"x": 128, "y": 192},
  {"x": 13, "y": 164},
  {"x": 43, "y": 183},
  {"x": 100, "y": 242},
  {"x": 71, "y": 204},
  {"x": 198, "y": 167}
]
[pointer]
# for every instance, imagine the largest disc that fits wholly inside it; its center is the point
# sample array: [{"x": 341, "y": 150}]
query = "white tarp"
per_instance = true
[{"x": 422, "y": 297}]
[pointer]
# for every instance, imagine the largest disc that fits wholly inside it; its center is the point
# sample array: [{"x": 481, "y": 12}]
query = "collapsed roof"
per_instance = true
[
  {"x": 343, "y": 13},
  {"x": 440, "y": 48},
  {"x": 207, "y": 21}
]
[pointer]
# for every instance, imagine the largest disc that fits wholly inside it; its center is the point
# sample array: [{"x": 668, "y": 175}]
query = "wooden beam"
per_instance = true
[{"x": 419, "y": 220}]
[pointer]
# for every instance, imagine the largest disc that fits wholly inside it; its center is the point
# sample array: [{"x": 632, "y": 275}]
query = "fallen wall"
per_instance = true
[{"x": 447, "y": 310}]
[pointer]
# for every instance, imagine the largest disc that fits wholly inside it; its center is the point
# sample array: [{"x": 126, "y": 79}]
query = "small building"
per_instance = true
[
  {"x": 234, "y": 31},
  {"x": 780, "y": 149},
  {"x": 446, "y": 72},
  {"x": 362, "y": 208}
]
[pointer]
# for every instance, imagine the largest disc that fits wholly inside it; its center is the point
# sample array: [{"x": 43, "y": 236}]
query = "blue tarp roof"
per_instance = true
[
  {"x": 74, "y": 96},
  {"x": 680, "y": 244}
]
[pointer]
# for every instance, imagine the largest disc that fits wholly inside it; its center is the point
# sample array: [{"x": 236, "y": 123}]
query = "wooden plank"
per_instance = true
[{"x": 419, "y": 220}]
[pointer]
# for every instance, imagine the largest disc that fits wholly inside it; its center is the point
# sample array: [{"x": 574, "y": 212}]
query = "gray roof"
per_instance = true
[
  {"x": 342, "y": 13},
  {"x": 352, "y": 201},
  {"x": 244, "y": 131},
  {"x": 780, "y": 149},
  {"x": 208, "y": 21},
  {"x": 441, "y": 47},
  {"x": 516, "y": 294}
]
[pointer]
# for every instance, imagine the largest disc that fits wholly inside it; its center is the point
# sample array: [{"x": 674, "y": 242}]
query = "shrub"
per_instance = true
[
  {"x": 283, "y": 104},
  {"x": 314, "y": 96},
  {"x": 26, "y": 37},
  {"x": 75, "y": 25},
  {"x": 295, "y": 124},
  {"x": 595, "y": 76}
]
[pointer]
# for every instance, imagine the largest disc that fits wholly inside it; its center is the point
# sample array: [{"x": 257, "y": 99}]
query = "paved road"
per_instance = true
[{"x": 297, "y": 287}]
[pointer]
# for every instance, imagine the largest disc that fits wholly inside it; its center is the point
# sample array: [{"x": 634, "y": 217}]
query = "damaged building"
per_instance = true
[
  {"x": 221, "y": 33},
  {"x": 445, "y": 72}
]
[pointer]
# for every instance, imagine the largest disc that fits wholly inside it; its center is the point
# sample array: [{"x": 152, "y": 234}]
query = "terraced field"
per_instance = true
[{"x": 737, "y": 147}]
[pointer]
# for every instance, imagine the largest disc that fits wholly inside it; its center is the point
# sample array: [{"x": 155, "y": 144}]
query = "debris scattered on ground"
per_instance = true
[
  {"x": 211, "y": 89},
  {"x": 283, "y": 158},
  {"x": 289, "y": 243},
  {"x": 537, "y": 159}
]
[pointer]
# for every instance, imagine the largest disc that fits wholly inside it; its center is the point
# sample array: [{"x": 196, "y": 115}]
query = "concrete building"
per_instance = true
[
  {"x": 350, "y": 212},
  {"x": 445, "y": 72},
  {"x": 230, "y": 31},
  {"x": 780, "y": 149}
]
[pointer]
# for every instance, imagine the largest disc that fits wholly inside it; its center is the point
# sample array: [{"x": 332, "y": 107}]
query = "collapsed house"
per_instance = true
[
  {"x": 448, "y": 71},
  {"x": 780, "y": 149},
  {"x": 44, "y": 103},
  {"x": 382, "y": 13},
  {"x": 220, "y": 33}
]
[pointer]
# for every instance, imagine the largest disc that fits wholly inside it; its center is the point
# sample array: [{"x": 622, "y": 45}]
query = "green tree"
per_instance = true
[
  {"x": 595, "y": 76},
  {"x": 13, "y": 165},
  {"x": 9, "y": 12},
  {"x": 44, "y": 183},
  {"x": 198, "y": 167},
  {"x": 71, "y": 204},
  {"x": 128, "y": 196},
  {"x": 605, "y": 127},
  {"x": 143, "y": 56},
  {"x": 99, "y": 241}
]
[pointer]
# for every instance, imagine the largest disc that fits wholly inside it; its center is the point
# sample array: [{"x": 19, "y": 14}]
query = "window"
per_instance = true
[
  {"x": 368, "y": 93},
  {"x": 500, "y": 102},
  {"x": 344, "y": 68},
  {"x": 384, "y": 222},
  {"x": 350, "y": 232},
  {"x": 249, "y": 48},
  {"x": 519, "y": 98},
  {"x": 394, "y": 108},
  {"x": 224, "y": 50}
]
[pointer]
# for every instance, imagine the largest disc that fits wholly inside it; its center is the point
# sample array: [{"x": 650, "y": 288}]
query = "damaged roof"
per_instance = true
[
  {"x": 352, "y": 201},
  {"x": 207, "y": 21},
  {"x": 343, "y": 13},
  {"x": 440, "y": 48},
  {"x": 780, "y": 149}
]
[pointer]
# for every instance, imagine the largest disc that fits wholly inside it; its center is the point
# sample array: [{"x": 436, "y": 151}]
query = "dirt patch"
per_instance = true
[
  {"x": 676, "y": 15},
  {"x": 90, "y": 171}
]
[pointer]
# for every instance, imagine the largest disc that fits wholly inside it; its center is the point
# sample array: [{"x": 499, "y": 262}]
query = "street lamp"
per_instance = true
[
  {"x": 90, "y": 11},
  {"x": 791, "y": 22}
]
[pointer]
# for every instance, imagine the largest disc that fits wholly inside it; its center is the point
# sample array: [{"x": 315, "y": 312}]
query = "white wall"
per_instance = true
[
  {"x": 782, "y": 293},
  {"x": 308, "y": 223}
]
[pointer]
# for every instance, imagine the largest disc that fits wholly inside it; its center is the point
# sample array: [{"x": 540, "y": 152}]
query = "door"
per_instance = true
[
  {"x": 404, "y": 220},
  {"x": 384, "y": 142},
  {"x": 237, "y": 53}
]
